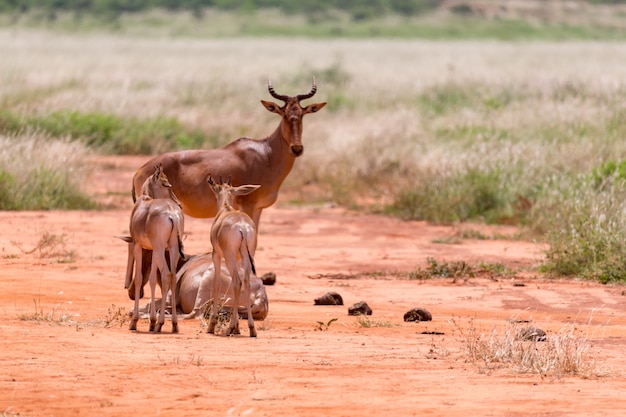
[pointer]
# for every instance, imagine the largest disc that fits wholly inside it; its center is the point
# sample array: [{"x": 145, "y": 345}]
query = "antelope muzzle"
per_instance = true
[{"x": 297, "y": 150}]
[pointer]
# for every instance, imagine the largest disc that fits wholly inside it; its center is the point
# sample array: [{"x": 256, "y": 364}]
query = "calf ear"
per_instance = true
[
  {"x": 273, "y": 107},
  {"x": 245, "y": 189},
  {"x": 126, "y": 239}
]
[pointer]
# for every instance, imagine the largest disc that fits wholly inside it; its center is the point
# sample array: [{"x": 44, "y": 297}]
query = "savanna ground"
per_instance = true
[
  {"x": 67, "y": 350},
  {"x": 400, "y": 113}
]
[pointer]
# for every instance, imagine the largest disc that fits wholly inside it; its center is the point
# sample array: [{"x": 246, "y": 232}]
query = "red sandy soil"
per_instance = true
[{"x": 59, "y": 357}]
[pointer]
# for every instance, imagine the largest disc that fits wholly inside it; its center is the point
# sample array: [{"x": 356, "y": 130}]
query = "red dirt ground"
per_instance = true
[{"x": 73, "y": 364}]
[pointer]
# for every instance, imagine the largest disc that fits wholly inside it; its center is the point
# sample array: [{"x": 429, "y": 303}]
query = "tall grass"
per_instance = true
[
  {"x": 518, "y": 133},
  {"x": 38, "y": 173}
]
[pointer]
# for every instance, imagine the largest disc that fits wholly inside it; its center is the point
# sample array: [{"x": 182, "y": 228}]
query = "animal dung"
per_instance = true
[
  {"x": 533, "y": 334},
  {"x": 269, "y": 278},
  {"x": 360, "y": 308},
  {"x": 418, "y": 314},
  {"x": 329, "y": 299}
]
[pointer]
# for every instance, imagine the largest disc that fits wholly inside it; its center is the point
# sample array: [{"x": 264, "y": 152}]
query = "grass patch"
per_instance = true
[
  {"x": 561, "y": 354},
  {"x": 459, "y": 270},
  {"x": 363, "y": 320},
  {"x": 38, "y": 173},
  {"x": 109, "y": 133},
  {"x": 58, "y": 315}
]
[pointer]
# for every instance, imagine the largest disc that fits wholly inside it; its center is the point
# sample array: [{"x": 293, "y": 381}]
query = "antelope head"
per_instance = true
[
  {"x": 158, "y": 185},
  {"x": 225, "y": 193},
  {"x": 292, "y": 113}
]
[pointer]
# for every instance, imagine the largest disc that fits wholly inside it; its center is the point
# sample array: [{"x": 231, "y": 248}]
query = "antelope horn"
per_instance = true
[
  {"x": 210, "y": 180},
  {"x": 310, "y": 94},
  {"x": 229, "y": 178},
  {"x": 274, "y": 94}
]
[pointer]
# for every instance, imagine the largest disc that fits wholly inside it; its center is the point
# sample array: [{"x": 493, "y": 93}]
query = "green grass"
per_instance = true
[
  {"x": 108, "y": 133},
  {"x": 42, "y": 174}
]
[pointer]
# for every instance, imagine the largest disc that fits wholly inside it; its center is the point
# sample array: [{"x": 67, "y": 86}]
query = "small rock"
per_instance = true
[
  {"x": 418, "y": 314},
  {"x": 534, "y": 334},
  {"x": 360, "y": 308},
  {"x": 329, "y": 299},
  {"x": 269, "y": 278}
]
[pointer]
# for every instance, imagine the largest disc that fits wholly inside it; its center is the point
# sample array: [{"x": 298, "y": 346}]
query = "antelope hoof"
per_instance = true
[
  {"x": 174, "y": 327},
  {"x": 157, "y": 328},
  {"x": 252, "y": 332},
  {"x": 133, "y": 325},
  {"x": 152, "y": 325},
  {"x": 211, "y": 328},
  {"x": 232, "y": 331}
]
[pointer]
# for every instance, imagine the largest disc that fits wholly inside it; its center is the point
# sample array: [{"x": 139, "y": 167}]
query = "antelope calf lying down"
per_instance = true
[
  {"x": 194, "y": 289},
  {"x": 156, "y": 224},
  {"x": 233, "y": 237},
  {"x": 196, "y": 285}
]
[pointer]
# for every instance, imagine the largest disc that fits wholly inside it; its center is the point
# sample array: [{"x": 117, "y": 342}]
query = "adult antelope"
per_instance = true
[
  {"x": 156, "y": 224},
  {"x": 266, "y": 162},
  {"x": 233, "y": 237}
]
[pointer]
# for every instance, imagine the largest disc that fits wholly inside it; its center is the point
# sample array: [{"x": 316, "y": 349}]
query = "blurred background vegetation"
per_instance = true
[
  {"x": 433, "y": 19},
  {"x": 502, "y": 112}
]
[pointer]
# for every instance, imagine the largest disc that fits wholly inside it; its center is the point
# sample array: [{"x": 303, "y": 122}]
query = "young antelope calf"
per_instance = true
[
  {"x": 156, "y": 224},
  {"x": 233, "y": 236}
]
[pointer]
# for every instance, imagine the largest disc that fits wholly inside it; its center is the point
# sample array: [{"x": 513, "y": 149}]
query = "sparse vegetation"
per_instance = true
[
  {"x": 363, "y": 320},
  {"x": 322, "y": 326},
  {"x": 566, "y": 352},
  {"x": 51, "y": 245},
  {"x": 459, "y": 270},
  {"x": 58, "y": 315}
]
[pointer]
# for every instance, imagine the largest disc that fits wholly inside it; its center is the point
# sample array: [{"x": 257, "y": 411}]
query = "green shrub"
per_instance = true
[{"x": 474, "y": 195}]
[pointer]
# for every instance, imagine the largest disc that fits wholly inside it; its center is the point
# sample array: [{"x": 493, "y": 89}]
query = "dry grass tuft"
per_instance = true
[{"x": 566, "y": 352}]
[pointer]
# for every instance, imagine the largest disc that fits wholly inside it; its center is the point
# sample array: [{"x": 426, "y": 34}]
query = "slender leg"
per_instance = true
[
  {"x": 231, "y": 264},
  {"x": 138, "y": 287},
  {"x": 172, "y": 279},
  {"x": 217, "y": 263},
  {"x": 246, "y": 284},
  {"x": 153, "y": 280}
]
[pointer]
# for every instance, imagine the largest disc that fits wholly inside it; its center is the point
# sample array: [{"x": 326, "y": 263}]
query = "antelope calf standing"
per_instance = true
[
  {"x": 233, "y": 237},
  {"x": 156, "y": 224}
]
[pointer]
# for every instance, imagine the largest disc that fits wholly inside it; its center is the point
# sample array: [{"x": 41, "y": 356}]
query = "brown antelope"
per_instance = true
[
  {"x": 158, "y": 187},
  {"x": 156, "y": 224},
  {"x": 233, "y": 237},
  {"x": 266, "y": 162}
]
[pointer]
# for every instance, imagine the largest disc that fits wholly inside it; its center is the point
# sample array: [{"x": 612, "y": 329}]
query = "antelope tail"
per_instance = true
[
  {"x": 252, "y": 263},
  {"x": 243, "y": 239}
]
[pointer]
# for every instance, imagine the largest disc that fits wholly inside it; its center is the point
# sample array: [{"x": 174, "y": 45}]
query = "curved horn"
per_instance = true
[
  {"x": 310, "y": 94},
  {"x": 273, "y": 93}
]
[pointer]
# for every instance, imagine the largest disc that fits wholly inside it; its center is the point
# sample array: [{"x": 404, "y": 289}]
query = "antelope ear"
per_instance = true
[
  {"x": 245, "y": 189},
  {"x": 273, "y": 107},
  {"x": 126, "y": 239},
  {"x": 312, "y": 108}
]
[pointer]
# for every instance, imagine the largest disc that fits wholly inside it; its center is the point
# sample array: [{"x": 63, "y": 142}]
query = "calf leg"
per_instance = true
[
  {"x": 138, "y": 287},
  {"x": 153, "y": 280},
  {"x": 174, "y": 254},
  {"x": 217, "y": 263},
  {"x": 231, "y": 265}
]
